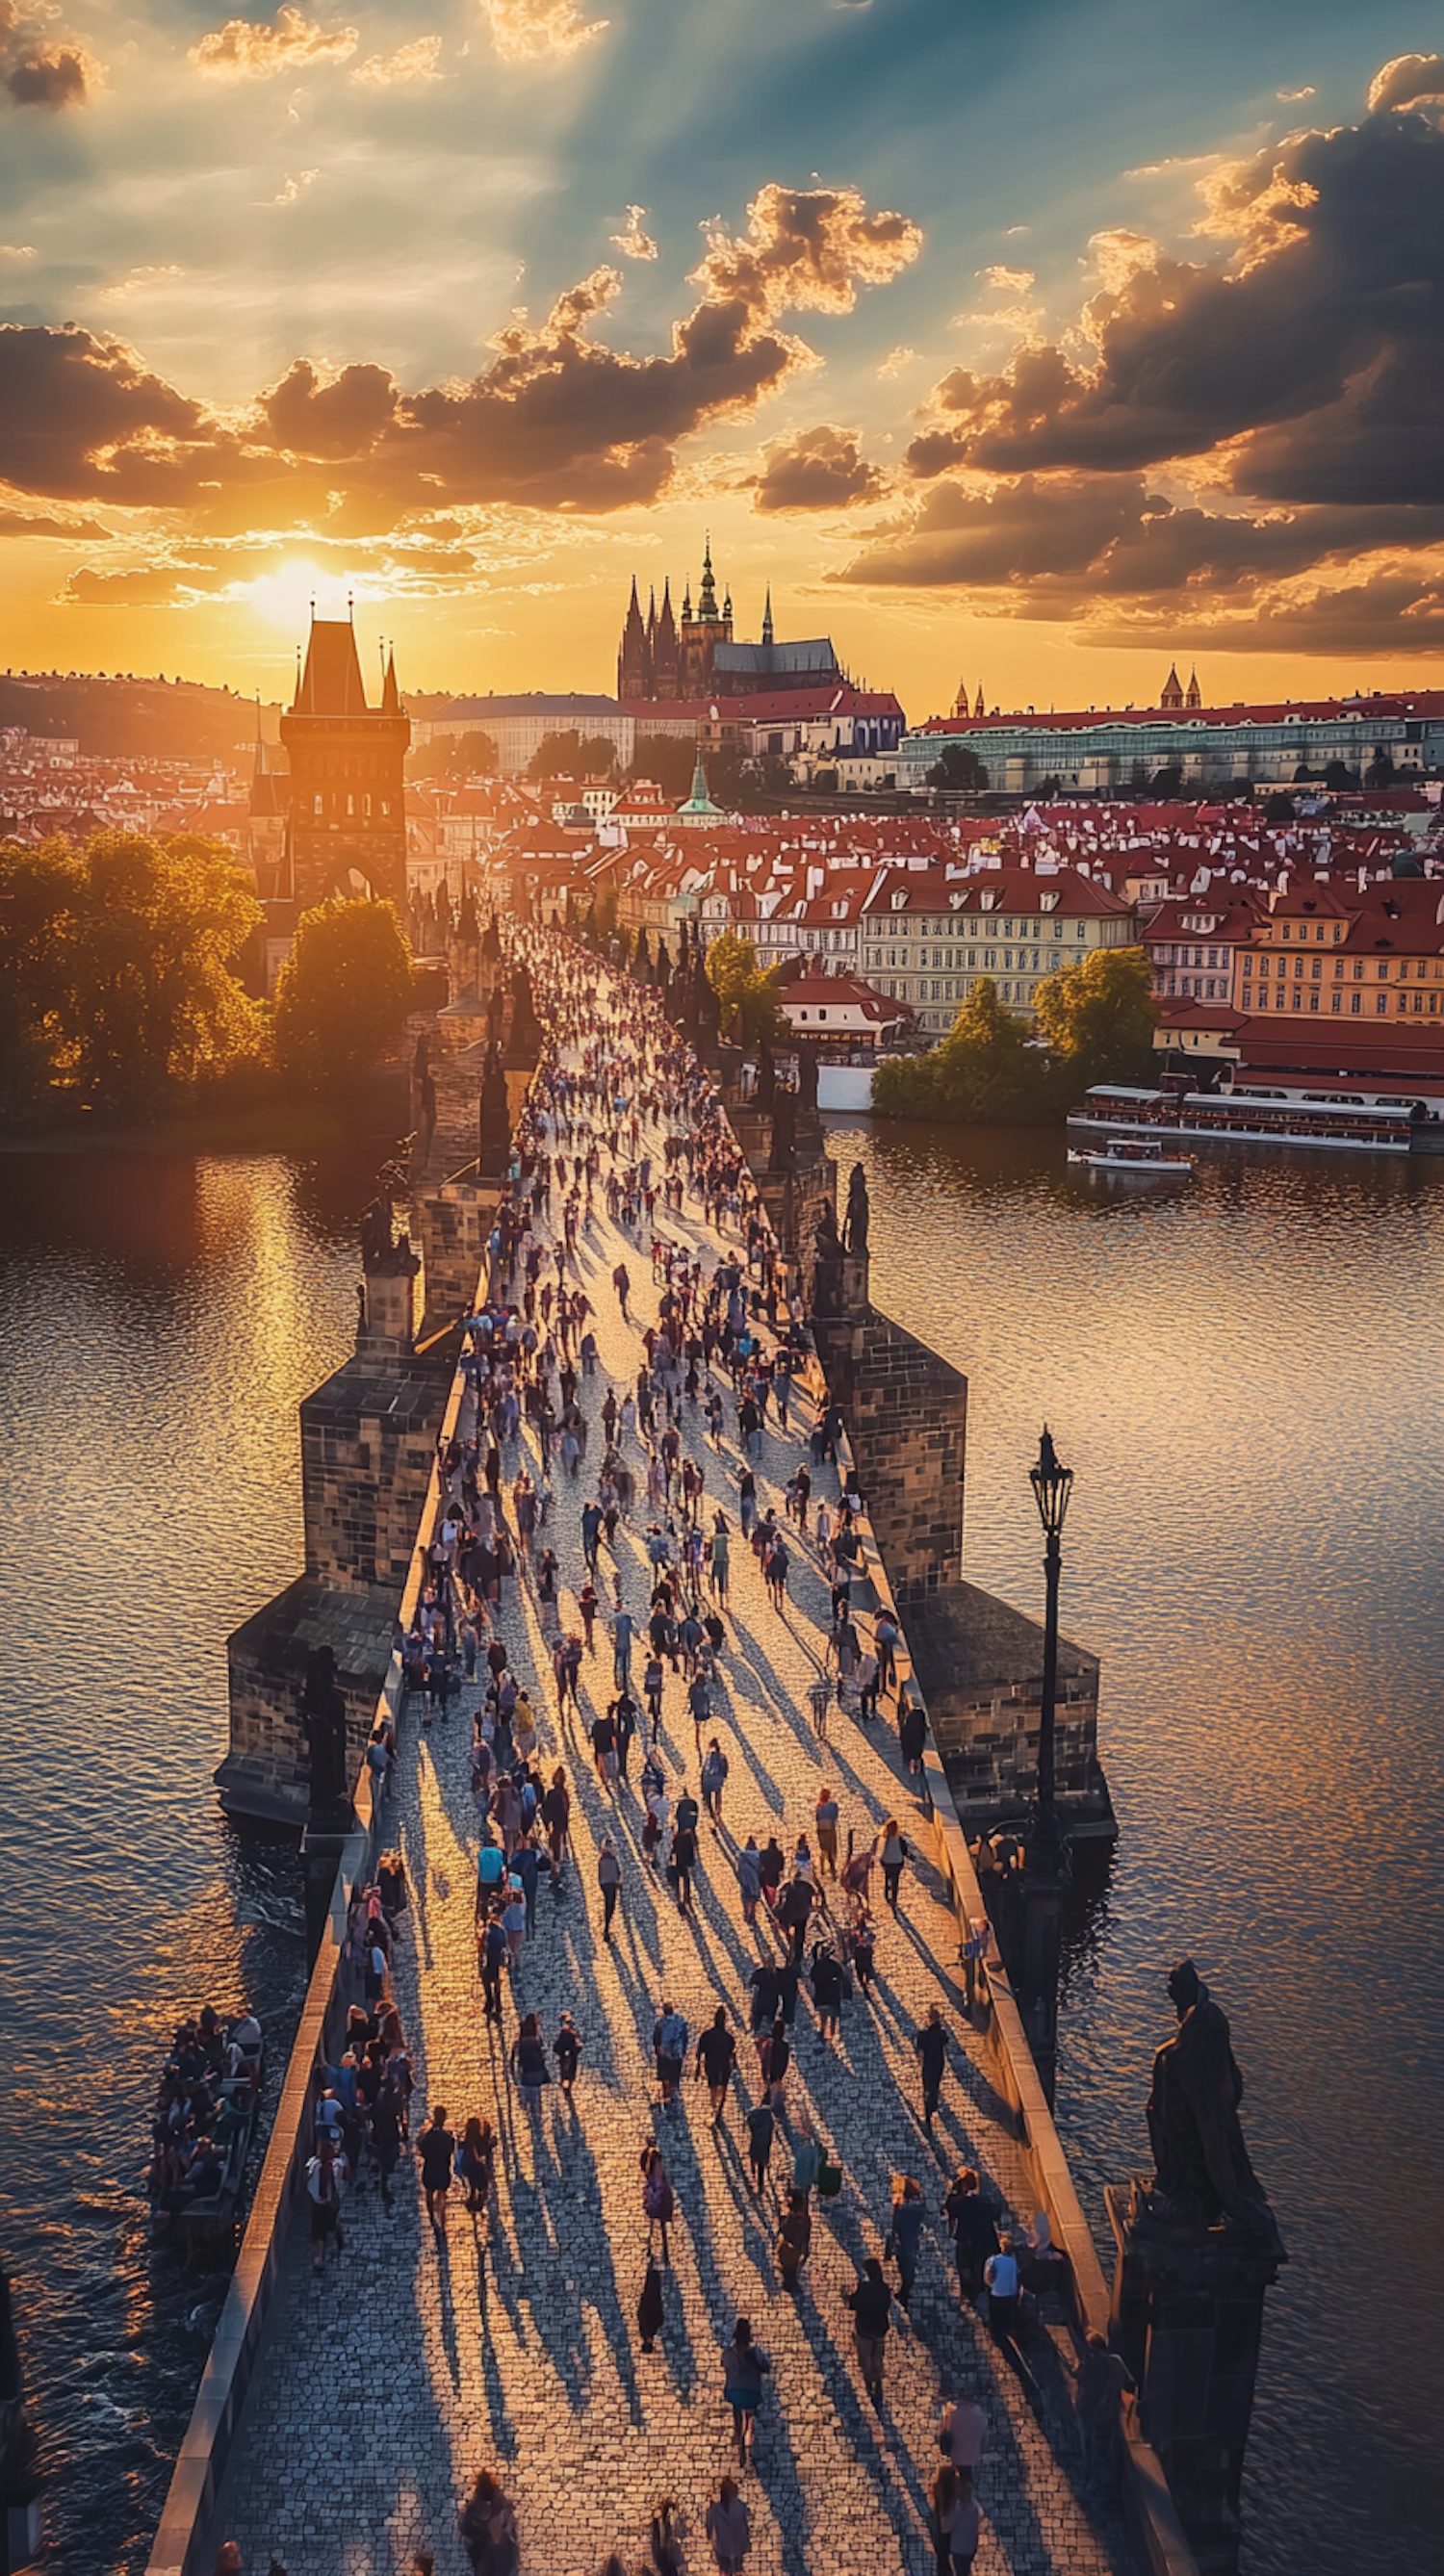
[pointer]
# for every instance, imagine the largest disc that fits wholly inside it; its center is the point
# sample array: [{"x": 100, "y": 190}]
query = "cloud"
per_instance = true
[
  {"x": 895, "y": 361},
  {"x": 1309, "y": 358},
  {"x": 534, "y": 31},
  {"x": 292, "y": 187},
  {"x": 818, "y": 469},
  {"x": 18, "y": 250},
  {"x": 21, "y": 523},
  {"x": 55, "y": 73},
  {"x": 634, "y": 243},
  {"x": 555, "y": 420},
  {"x": 1410, "y": 80},
  {"x": 136, "y": 282},
  {"x": 409, "y": 64},
  {"x": 1291, "y": 96},
  {"x": 244, "y": 49},
  {"x": 1070, "y": 539},
  {"x": 1007, "y": 281}
]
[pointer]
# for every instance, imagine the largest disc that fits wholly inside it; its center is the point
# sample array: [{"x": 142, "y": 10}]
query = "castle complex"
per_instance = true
[{"x": 661, "y": 658}]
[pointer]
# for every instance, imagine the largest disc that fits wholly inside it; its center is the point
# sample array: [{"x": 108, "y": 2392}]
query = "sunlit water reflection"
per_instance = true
[
  {"x": 159, "y": 1321},
  {"x": 1245, "y": 1376}
]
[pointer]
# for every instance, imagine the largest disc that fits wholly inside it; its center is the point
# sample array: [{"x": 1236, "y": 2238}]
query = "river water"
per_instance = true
[{"x": 1245, "y": 1377}]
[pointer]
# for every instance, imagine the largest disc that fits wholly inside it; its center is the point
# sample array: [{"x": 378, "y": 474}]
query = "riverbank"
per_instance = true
[{"x": 377, "y": 1106}]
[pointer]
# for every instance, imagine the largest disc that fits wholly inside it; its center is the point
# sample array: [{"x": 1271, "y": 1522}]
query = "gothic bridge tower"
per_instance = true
[{"x": 347, "y": 818}]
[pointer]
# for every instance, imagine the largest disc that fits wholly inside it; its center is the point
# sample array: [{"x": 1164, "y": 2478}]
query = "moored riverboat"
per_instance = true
[{"x": 1255, "y": 1114}]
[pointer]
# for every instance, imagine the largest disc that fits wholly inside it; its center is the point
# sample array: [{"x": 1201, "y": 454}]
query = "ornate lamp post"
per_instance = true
[
  {"x": 1052, "y": 1489},
  {"x": 1043, "y": 1879}
]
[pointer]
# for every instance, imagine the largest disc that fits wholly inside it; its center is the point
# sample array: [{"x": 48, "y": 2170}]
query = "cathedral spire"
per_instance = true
[
  {"x": 707, "y": 595},
  {"x": 767, "y": 617}
]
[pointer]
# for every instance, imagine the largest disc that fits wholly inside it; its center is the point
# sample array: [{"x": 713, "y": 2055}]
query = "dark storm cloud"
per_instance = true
[
  {"x": 54, "y": 76},
  {"x": 1394, "y": 613},
  {"x": 1305, "y": 362},
  {"x": 1320, "y": 347},
  {"x": 1074, "y": 537},
  {"x": 819, "y": 469},
  {"x": 557, "y": 419}
]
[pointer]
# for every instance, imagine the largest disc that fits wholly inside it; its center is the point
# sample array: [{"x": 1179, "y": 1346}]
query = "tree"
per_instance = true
[
  {"x": 120, "y": 960},
  {"x": 1167, "y": 783},
  {"x": 958, "y": 766},
  {"x": 747, "y": 999},
  {"x": 466, "y": 755},
  {"x": 668, "y": 759},
  {"x": 572, "y": 755},
  {"x": 1338, "y": 774},
  {"x": 1380, "y": 772},
  {"x": 1099, "y": 1017},
  {"x": 984, "y": 1072},
  {"x": 343, "y": 993}
]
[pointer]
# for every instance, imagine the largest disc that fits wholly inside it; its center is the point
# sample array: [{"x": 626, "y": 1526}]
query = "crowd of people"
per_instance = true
[{"x": 622, "y": 1115}]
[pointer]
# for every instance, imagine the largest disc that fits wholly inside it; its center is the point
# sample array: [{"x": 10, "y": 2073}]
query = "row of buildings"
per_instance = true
[{"x": 1108, "y": 751}]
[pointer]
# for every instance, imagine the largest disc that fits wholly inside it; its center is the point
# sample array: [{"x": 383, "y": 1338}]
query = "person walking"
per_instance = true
[
  {"x": 491, "y": 1959},
  {"x": 659, "y": 2202},
  {"x": 749, "y": 1880},
  {"x": 905, "y": 2236},
  {"x": 744, "y": 2369},
  {"x": 794, "y": 2239},
  {"x": 827, "y": 1989},
  {"x": 761, "y": 2128},
  {"x": 325, "y": 2181},
  {"x": 962, "y": 2433},
  {"x": 930, "y": 2047},
  {"x": 683, "y": 1861},
  {"x": 825, "y": 1819},
  {"x": 669, "y": 2048},
  {"x": 609, "y": 1879},
  {"x": 871, "y": 2305},
  {"x": 528, "y": 2062},
  {"x": 650, "y": 2309},
  {"x": 567, "y": 2048},
  {"x": 729, "y": 2529},
  {"x": 1100, "y": 2381},
  {"x": 1000, "y": 2273},
  {"x": 775, "y": 2058},
  {"x": 716, "y": 2058},
  {"x": 892, "y": 1851},
  {"x": 487, "y": 2524},
  {"x": 954, "y": 2519},
  {"x": 437, "y": 2149},
  {"x": 974, "y": 2233},
  {"x": 476, "y": 2164},
  {"x": 714, "y": 1781}
]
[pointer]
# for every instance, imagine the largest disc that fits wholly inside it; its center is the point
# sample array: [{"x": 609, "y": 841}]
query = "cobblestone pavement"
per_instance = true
[{"x": 393, "y": 2377}]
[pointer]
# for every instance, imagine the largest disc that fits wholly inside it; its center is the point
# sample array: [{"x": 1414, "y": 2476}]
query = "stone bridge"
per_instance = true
[{"x": 344, "y": 2415}]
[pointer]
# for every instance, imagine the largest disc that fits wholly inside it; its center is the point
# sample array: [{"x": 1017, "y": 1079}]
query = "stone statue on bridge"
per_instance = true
[
  {"x": 493, "y": 1118},
  {"x": 1204, "y": 2175},
  {"x": 323, "y": 1722},
  {"x": 859, "y": 1213},
  {"x": 376, "y": 1232}
]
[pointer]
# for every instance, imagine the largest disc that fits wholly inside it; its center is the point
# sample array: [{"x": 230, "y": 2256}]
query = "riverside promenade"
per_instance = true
[{"x": 389, "y": 2380}]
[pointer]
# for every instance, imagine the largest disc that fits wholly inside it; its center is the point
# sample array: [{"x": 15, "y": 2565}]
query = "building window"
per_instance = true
[
  {"x": 1356, "y": 1001},
  {"x": 1382, "y": 1003}
]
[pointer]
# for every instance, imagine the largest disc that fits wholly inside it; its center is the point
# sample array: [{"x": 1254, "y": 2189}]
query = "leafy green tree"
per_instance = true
[
  {"x": 572, "y": 755},
  {"x": 1099, "y": 1017},
  {"x": 668, "y": 759},
  {"x": 984, "y": 1073},
  {"x": 123, "y": 968},
  {"x": 464, "y": 755},
  {"x": 747, "y": 999},
  {"x": 958, "y": 766},
  {"x": 344, "y": 992}
]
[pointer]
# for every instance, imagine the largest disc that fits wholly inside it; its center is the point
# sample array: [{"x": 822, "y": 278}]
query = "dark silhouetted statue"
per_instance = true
[
  {"x": 859, "y": 1213},
  {"x": 1204, "y": 2174},
  {"x": 493, "y": 1144},
  {"x": 323, "y": 1720}
]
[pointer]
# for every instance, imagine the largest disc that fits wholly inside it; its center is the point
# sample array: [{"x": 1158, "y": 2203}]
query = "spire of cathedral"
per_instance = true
[
  {"x": 1195, "y": 693},
  {"x": 980, "y": 709},
  {"x": 707, "y": 595},
  {"x": 767, "y": 617}
]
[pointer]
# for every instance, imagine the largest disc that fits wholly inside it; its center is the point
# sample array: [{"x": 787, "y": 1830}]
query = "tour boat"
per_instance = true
[{"x": 1122, "y": 1155}]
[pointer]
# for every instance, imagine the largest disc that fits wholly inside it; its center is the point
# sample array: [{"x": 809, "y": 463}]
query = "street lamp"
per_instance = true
[
  {"x": 1052, "y": 1487},
  {"x": 1041, "y": 1892}
]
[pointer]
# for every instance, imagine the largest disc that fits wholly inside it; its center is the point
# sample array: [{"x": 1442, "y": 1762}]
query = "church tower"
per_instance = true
[
  {"x": 1195, "y": 693},
  {"x": 347, "y": 809},
  {"x": 1171, "y": 701},
  {"x": 664, "y": 650},
  {"x": 702, "y": 634},
  {"x": 980, "y": 709},
  {"x": 634, "y": 679}
]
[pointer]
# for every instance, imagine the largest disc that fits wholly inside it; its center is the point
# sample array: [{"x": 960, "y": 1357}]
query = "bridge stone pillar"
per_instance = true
[{"x": 1187, "y": 2318}]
